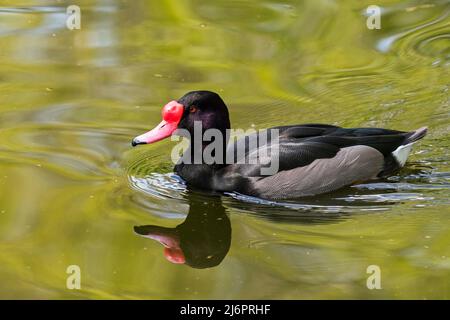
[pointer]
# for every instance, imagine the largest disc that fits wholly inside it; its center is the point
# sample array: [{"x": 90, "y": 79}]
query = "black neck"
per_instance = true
[{"x": 199, "y": 148}]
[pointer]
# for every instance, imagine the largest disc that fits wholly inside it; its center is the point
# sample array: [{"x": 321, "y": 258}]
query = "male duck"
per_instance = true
[{"x": 312, "y": 159}]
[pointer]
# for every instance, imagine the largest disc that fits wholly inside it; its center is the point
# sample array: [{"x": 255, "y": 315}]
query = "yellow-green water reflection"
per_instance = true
[{"x": 71, "y": 188}]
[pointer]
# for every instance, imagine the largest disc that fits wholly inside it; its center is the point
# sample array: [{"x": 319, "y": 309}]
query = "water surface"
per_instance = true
[{"x": 72, "y": 188}]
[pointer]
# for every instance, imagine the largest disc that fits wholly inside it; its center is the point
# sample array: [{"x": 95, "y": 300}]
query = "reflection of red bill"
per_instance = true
[
  {"x": 172, "y": 114},
  {"x": 174, "y": 255},
  {"x": 168, "y": 238}
]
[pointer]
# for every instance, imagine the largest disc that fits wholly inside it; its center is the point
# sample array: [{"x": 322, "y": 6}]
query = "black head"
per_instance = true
[{"x": 204, "y": 106}]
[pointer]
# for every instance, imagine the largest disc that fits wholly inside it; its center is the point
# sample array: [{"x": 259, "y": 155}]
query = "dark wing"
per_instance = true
[
  {"x": 383, "y": 143},
  {"x": 299, "y": 145},
  {"x": 283, "y": 156},
  {"x": 289, "y": 138},
  {"x": 384, "y": 140},
  {"x": 312, "y": 159},
  {"x": 305, "y": 130}
]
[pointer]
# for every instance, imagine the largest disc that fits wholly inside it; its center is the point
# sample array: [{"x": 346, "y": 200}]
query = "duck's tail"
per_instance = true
[
  {"x": 401, "y": 153},
  {"x": 416, "y": 135}
]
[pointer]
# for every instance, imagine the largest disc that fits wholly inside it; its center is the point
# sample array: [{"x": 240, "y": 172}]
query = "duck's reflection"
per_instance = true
[{"x": 201, "y": 241}]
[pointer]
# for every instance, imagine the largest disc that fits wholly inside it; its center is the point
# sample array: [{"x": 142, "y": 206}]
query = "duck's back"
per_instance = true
[{"x": 312, "y": 159}]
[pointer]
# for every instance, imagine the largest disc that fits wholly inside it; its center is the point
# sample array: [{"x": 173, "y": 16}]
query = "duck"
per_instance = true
[{"x": 308, "y": 159}]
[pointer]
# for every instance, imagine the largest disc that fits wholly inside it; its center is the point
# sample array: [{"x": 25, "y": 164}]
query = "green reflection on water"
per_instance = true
[{"x": 71, "y": 188}]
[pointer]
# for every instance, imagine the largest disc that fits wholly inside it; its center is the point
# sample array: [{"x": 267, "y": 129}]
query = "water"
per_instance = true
[{"x": 72, "y": 188}]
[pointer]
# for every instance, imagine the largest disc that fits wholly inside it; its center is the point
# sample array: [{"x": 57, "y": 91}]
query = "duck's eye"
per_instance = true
[{"x": 192, "y": 109}]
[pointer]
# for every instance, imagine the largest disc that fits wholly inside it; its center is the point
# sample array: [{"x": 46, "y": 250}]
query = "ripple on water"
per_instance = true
[
  {"x": 162, "y": 194},
  {"x": 68, "y": 149},
  {"x": 368, "y": 197},
  {"x": 426, "y": 38},
  {"x": 159, "y": 185}
]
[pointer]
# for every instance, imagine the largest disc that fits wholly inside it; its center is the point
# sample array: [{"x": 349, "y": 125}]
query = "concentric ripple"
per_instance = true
[{"x": 428, "y": 38}]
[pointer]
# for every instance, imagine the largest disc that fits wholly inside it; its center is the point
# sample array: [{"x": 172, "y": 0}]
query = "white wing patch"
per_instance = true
[{"x": 402, "y": 153}]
